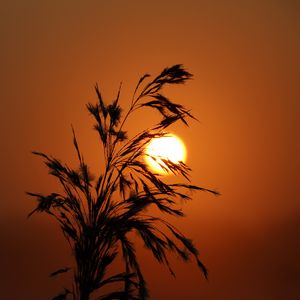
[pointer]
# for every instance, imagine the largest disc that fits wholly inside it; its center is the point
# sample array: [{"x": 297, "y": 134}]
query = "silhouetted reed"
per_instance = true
[{"x": 96, "y": 215}]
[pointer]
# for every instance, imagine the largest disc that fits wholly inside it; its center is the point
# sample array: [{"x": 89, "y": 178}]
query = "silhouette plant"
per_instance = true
[{"x": 96, "y": 216}]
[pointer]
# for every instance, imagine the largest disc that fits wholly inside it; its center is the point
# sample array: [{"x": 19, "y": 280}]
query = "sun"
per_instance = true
[{"x": 169, "y": 147}]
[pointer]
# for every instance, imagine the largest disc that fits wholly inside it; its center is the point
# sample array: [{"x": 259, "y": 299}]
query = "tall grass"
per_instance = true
[{"x": 97, "y": 215}]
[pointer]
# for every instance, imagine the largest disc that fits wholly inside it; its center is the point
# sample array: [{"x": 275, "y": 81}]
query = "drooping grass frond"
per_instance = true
[
  {"x": 98, "y": 215},
  {"x": 59, "y": 271},
  {"x": 63, "y": 295}
]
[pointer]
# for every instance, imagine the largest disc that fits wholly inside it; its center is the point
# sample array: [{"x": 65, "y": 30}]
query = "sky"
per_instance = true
[{"x": 244, "y": 55}]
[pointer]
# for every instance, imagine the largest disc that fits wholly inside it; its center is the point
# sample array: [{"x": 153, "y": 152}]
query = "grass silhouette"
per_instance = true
[{"x": 97, "y": 215}]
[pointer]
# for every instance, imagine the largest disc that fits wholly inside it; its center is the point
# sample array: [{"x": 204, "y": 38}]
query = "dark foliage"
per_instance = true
[{"x": 96, "y": 215}]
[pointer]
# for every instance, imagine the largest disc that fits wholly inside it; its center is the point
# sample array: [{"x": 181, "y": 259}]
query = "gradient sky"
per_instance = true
[{"x": 245, "y": 58}]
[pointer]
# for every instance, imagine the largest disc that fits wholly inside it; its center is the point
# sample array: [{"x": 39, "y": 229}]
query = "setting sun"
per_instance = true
[{"x": 167, "y": 147}]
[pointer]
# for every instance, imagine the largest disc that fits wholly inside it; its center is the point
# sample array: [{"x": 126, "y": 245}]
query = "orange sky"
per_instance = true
[{"x": 245, "y": 58}]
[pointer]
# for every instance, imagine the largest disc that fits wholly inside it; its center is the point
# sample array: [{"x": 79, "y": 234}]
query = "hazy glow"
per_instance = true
[{"x": 168, "y": 147}]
